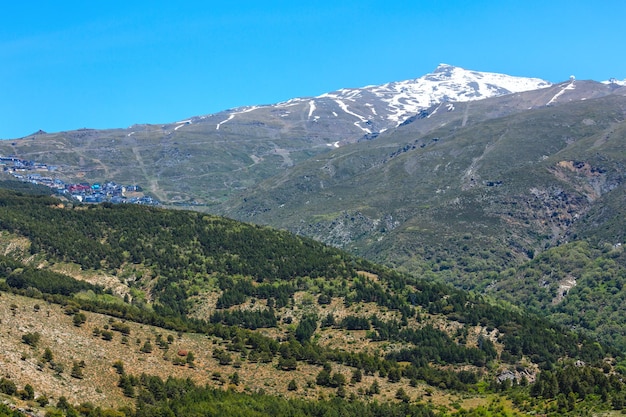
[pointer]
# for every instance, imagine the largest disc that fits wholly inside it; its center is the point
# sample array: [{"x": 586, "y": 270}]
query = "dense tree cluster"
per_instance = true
[
  {"x": 5, "y": 411},
  {"x": 600, "y": 277},
  {"x": 433, "y": 345},
  {"x": 178, "y": 246},
  {"x": 21, "y": 276},
  {"x": 580, "y": 381},
  {"x": 354, "y": 323},
  {"x": 237, "y": 291},
  {"x": 249, "y": 319},
  {"x": 306, "y": 328},
  {"x": 156, "y": 397}
]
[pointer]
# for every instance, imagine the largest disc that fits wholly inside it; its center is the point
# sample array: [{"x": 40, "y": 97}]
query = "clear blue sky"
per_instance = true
[{"x": 100, "y": 64}]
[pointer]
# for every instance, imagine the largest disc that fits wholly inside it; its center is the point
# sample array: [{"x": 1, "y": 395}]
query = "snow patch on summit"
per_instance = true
[
  {"x": 621, "y": 83},
  {"x": 447, "y": 83},
  {"x": 381, "y": 107}
]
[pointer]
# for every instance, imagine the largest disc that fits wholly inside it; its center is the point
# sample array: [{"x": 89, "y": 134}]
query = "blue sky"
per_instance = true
[{"x": 102, "y": 64}]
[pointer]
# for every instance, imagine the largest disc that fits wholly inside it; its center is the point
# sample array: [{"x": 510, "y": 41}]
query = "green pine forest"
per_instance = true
[{"x": 268, "y": 297}]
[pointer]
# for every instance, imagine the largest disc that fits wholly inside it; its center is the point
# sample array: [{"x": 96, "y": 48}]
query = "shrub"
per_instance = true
[
  {"x": 28, "y": 393},
  {"x": 77, "y": 371},
  {"x": 324, "y": 299},
  {"x": 119, "y": 367},
  {"x": 47, "y": 355},
  {"x": 7, "y": 386},
  {"x": 79, "y": 319},
  {"x": 31, "y": 339},
  {"x": 147, "y": 347},
  {"x": 121, "y": 327}
]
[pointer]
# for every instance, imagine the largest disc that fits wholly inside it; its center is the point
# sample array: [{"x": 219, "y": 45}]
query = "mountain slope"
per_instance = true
[
  {"x": 203, "y": 160},
  {"x": 467, "y": 192},
  {"x": 182, "y": 294},
  {"x": 466, "y": 152},
  {"x": 473, "y": 194}
]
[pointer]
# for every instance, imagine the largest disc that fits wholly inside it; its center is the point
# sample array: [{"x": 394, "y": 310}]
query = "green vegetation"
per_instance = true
[
  {"x": 7, "y": 386},
  {"x": 31, "y": 339},
  {"x": 471, "y": 196},
  {"x": 5, "y": 411},
  {"x": 169, "y": 242},
  {"x": 181, "y": 397},
  {"x": 424, "y": 332},
  {"x": 577, "y": 285}
]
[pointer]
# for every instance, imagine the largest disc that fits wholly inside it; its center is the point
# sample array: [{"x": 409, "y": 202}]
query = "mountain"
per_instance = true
[
  {"x": 518, "y": 197},
  {"x": 204, "y": 160},
  {"x": 161, "y": 312},
  {"x": 391, "y": 104},
  {"x": 473, "y": 194},
  {"x": 486, "y": 157},
  {"x": 486, "y": 194}
]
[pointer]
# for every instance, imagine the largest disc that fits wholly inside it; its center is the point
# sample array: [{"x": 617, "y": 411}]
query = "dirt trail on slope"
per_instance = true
[{"x": 153, "y": 184}]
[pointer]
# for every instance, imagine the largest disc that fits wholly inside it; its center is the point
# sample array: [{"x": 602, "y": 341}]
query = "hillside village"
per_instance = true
[{"x": 39, "y": 173}]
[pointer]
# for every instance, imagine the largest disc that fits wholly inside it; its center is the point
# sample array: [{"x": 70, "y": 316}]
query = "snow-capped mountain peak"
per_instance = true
[
  {"x": 448, "y": 83},
  {"x": 459, "y": 78},
  {"x": 376, "y": 108}
]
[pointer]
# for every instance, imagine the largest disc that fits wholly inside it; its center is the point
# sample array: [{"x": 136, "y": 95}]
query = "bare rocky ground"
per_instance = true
[{"x": 25, "y": 364}]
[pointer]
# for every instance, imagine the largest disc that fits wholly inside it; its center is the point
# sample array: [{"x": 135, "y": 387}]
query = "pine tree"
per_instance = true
[
  {"x": 77, "y": 371},
  {"x": 190, "y": 359},
  {"x": 147, "y": 347},
  {"x": 234, "y": 379},
  {"x": 126, "y": 385},
  {"x": 402, "y": 395},
  {"x": 29, "y": 392},
  {"x": 47, "y": 355}
]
